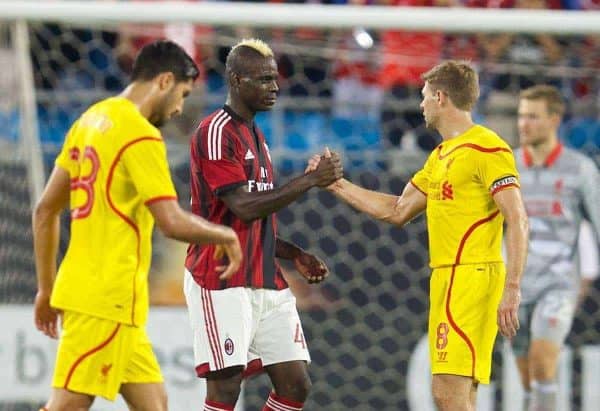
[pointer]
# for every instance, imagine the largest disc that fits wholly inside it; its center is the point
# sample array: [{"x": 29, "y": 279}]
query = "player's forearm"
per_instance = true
[
  {"x": 517, "y": 236},
  {"x": 286, "y": 250},
  {"x": 256, "y": 205},
  {"x": 378, "y": 205},
  {"x": 584, "y": 290},
  {"x": 190, "y": 228},
  {"x": 46, "y": 235}
]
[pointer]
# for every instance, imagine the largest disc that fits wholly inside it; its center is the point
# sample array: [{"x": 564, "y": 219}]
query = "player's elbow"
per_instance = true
[
  {"x": 169, "y": 225},
  {"x": 42, "y": 213},
  {"x": 520, "y": 223},
  {"x": 244, "y": 213},
  {"x": 393, "y": 219}
]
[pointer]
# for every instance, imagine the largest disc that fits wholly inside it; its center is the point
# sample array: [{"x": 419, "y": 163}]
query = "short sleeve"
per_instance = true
[
  {"x": 497, "y": 169},
  {"x": 590, "y": 192},
  {"x": 68, "y": 157},
  {"x": 422, "y": 177},
  {"x": 146, "y": 162},
  {"x": 222, "y": 165}
]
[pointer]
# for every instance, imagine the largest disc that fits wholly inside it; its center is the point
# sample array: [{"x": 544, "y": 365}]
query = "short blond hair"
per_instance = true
[
  {"x": 458, "y": 79},
  {"x": 255, "y": 44},
  {"x": 555, "y": 104}
]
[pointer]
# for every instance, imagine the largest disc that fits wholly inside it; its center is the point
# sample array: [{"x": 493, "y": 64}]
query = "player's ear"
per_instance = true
[
  {"x": 166, "y": 80},
  {"x": 440, "y": 96}
]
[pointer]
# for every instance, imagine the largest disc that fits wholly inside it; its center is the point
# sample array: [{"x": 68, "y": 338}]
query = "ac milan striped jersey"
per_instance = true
[{"x": 227, "y": 153}]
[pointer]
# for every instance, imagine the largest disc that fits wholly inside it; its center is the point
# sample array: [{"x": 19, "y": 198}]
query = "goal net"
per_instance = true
[{"x": 348, "y": 81}]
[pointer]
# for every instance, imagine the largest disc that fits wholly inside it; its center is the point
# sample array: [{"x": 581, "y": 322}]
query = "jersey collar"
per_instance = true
[
  {"x": 236, "y": 116},
  {"x": 548, "y": 162}
]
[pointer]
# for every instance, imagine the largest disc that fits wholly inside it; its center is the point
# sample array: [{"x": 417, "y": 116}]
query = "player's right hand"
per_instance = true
[
  {"x": 313, "y": 163},
  {"x": 233, "y": 251},
  {"x": 328, "y": 170},
  {"x": 45, "y": 317},
  {"x": 508, "y": 312}
]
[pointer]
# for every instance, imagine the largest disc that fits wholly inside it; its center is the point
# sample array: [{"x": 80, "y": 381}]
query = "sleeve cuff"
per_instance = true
[
  {"x": 417, "y": 187},
  {"x": 159, "y": 198},
  {"x": 498, "y": 189},
  {"x": 220, "y": 191}
]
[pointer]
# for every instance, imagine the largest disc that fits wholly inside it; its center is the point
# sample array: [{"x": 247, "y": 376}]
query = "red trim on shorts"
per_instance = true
[
  {"x": 159, "y": 198},
  {"x": 126, "y": 218},
  {"x": 461, "y": 246},
  {"x": 253, "y": 368},
  {"x": 211, "y": 329},
  {"x": 417, "y": 187},
  {"x": 498, "y": 189},
  {"x": 87, "y": 354},
  {"x": 202, "y": 369},
  {"x": 474, "y": 147}
]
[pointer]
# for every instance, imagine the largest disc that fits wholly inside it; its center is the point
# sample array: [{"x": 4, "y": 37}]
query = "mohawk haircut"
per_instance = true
[
  {"x": 255, "y": 44},
  {"x": 244, "y": 53}
]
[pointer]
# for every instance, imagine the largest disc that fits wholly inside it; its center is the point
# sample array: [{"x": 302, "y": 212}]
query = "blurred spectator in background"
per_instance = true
[
  {"x": 529, "y": 55},
  {"x": 9, "y": 90},
  {"x": 405, "y": 56},
  {"x": 356, "y": 87},
  {"x": 196, "y": 40}
]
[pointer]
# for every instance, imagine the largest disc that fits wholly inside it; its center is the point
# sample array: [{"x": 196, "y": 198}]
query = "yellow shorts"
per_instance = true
[
  {"x": 95, "y": 356},
  {"x": 464, "y": 301}
]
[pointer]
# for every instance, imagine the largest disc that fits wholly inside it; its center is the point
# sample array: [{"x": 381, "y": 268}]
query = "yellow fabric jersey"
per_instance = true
[
  {"x": 118, "y": 164},
  {"x": 459, "y": 179}
]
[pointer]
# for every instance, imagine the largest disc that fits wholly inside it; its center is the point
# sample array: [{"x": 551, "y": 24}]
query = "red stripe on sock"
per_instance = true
[{"x": 217, "y": 406}]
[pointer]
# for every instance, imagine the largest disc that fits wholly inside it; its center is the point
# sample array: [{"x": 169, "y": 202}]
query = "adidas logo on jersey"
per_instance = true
[{"x": 249, "y": 155}]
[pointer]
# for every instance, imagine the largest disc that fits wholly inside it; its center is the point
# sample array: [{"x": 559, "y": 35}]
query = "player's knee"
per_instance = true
[
  {"x": 163, "y": 401},
  {"x": 224, "y": 391},
  {"x": 440, "y": 396},
  {"x": 296, "y": 389},
  {"x": 543, "y": 361},
  {"x": 447, "y": 398}
]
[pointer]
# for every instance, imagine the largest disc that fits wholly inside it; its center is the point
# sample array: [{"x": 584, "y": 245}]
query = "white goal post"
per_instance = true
[
  {"x": 297, "y": 15},
  {"x": 106, "y": 13}
]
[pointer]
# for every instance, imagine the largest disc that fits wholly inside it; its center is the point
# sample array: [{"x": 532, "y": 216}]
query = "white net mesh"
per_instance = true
[{"x": 336, "y": 89}]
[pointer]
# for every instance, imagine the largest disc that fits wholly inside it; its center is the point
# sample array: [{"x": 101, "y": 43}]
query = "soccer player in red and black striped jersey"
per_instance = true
[{"x": 248, "y": 322}]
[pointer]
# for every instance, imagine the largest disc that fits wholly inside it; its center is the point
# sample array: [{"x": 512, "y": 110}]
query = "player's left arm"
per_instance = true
[
  {"x": 46, "y": 235},
  {"x": 590, "y": 194},
  {"x": 588, "y": 260},
  {"x": 308, "y": 265},
  {"x": 510, "y": 204}
]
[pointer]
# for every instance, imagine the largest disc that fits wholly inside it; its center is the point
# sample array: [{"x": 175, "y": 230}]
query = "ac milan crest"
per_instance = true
[{"x": 228, "y": 346}]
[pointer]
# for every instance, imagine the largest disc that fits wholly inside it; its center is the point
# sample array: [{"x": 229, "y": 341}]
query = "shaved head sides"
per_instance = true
[{"x": 245, "y": 54}]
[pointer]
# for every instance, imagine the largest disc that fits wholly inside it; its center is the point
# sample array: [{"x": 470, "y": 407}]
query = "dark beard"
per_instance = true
[{"x": 157, "y": 120}]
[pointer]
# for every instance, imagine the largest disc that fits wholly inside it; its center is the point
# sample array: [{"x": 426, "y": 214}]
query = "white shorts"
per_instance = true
[
  {"x": 237, "y": 326},
  {"x": 549, "y": 318}
]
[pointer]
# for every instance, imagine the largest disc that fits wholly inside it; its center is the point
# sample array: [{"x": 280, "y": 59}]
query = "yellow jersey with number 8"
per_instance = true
[{"x": 117, "y": 162}]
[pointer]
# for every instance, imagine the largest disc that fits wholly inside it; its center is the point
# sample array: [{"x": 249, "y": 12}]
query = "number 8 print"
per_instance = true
[
  {"x": 85, "y": 183},
  {"x": 442, "y": 336}
]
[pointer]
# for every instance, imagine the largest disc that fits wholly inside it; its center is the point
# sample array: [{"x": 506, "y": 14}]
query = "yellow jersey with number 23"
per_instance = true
[{"x": 117, "y": 162}]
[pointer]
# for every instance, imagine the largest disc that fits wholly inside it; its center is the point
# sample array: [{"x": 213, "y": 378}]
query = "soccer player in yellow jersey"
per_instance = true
[
  {"x": 468, "y": 188},
  {"x": 113, "y": 175}
]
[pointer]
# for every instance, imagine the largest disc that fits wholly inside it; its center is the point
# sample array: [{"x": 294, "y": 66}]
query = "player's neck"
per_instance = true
[
  {"x": 141, "y": 95},
  {"x": 241, "y": 110},
  {"x": 455, "y": 124},
  {"x": 540, "y": 152}
]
